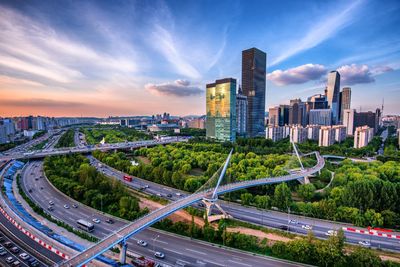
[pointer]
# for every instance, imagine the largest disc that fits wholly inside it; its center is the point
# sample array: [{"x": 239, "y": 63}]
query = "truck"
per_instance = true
[{"x": 128, "y": 178}]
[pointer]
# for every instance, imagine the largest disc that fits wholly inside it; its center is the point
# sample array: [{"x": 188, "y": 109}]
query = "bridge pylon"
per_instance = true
[{"x": 123, "y": 246}]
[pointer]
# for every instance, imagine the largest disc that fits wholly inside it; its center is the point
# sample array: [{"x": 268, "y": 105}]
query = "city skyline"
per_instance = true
[{"x": 130, "y": 58}]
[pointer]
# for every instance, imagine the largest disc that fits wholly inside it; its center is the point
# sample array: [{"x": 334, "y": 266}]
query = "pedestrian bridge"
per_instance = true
[{"x": 138, "y": 225}]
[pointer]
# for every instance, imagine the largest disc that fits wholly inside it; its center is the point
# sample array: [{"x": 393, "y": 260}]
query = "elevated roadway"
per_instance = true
[{"x": 140, "y": 224}]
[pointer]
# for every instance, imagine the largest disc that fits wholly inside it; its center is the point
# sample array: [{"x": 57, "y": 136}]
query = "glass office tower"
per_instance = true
[
  {"x": 221, "y": 110},
  {"x": 254, "y": 62},
  {"x": 333, "y": 90}
]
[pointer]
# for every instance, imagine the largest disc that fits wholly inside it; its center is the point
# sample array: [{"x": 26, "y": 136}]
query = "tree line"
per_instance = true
[{"x": 67, "y": 139}]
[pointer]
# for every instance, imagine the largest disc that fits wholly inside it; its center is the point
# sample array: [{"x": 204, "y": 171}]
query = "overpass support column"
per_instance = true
[
  {"x": 304, "y": 180},
  {"x": 210, "y": 203},
  {"x": 122, "y": 254}
]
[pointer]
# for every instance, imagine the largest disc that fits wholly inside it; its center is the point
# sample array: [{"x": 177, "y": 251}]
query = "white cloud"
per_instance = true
[
  {"x": 179, "y": 88},
  {"x": 297, "y": 75},
  {"x": 327, "y": 27},
  {"x": 355, "y": 74}
]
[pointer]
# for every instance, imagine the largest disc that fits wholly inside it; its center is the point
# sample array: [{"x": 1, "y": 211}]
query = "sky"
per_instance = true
[{"x": 126, "y": 58}]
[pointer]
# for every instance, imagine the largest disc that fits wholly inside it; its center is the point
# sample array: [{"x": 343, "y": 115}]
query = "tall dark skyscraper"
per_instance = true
[
  {"x": 254, "y": 64},
  {"x": 333, "y": 95},
  {"x": 345, "y": 100}
]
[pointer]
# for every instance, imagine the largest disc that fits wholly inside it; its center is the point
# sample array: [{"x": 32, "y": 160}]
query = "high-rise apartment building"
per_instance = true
[
  {"x": 275, "y": 133},
  {"x": 333, "y": 89},
  {"x": 362, "y": 136},
  {"x": 221, "y": 110},
  {"x": 241, "y": 112},
  {"x": 283, "y": 115},
  {"x": 298, "y": 134},
  {"x": 313, "y": 132},
  {"x": 320, "y": 117},
  {"x": 340, "y": 133},
  {"x": 345, "y": 101},
  {"x": 273, "y": 115},
  {"x": 353, "y": 119},
  {"x": 254, "y": 63},
  {"x": 326, "y": 136}
]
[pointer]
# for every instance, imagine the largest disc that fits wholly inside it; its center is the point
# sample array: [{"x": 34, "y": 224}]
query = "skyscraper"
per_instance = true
[
  {"x": 283, "y": 115},
  {"x": 241, "y": 112},
  {"x": 297, "y": 112},
  {"x": 273, "y": 115},
  {"x": 333, "y": 90},
  {"x": 221, "y": 110},
  {"x": 345, "y": 101},
  {"x": 254, "y": 62},
  {"x": 320, "y": 117}
]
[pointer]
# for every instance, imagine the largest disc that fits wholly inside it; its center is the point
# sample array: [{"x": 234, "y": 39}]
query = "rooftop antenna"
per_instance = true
[{"x": 383, "y": 103}]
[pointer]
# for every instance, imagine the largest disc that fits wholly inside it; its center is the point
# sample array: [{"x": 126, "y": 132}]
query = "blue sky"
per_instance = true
[{"x": 103, "y": 58}]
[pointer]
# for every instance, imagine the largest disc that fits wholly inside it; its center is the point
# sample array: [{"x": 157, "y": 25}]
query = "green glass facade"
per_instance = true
[{"x": 221, "y": 110}]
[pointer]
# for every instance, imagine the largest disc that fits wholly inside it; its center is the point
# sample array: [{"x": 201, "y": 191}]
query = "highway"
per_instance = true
[
  {"x": 176, "y": 249},
  {"x": 271, "y": 219},
  {"x": 21, "y": 153}
]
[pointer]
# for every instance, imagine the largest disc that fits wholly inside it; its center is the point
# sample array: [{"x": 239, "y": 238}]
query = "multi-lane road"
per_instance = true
[
  {"x": 248, "y": 214},
  {"x": 177, "y": 249}
]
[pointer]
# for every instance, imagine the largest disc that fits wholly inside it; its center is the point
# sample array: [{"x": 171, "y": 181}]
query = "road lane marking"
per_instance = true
[
  {"x": 195, "y": 251},
  {"x": 244, "y": 264},
  {"x": 173, "y": 251}
]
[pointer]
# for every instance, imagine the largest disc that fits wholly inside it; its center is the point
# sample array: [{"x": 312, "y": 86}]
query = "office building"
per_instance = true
[
  {"x": 333, "y": 89},
  {"x": 340, "y": 133},
  {"x": 254, "y": 62},
  {"x": 273, "y": 115},
  {"x": 221, "y": 110},
  {"x": 241, "y": 112},
  {"x": 317, "y": 101},
  {"x": 345, "y": 101},
  {"x": 298, "y": 134},
  {"x": 297, "y": 112},
  {"x": 283, "y": 115},
  {"x": 198, "y": 123},
  {"x": 320, "y": 117},
  {"x": 313, "y": 132},
  {"x": 353, "y": 119},
  {"x": 326, "y": 136},
  {"x": 362, "y": 136}
]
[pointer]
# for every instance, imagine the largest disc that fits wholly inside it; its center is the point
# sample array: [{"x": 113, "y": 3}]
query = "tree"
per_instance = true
[
  {"x": 282, "y": 196},
  {"x": 306, "y": 191},
  {"x": 363, "y": 257},
  {"x": 373, "y": 218},
  {"x": 262, "y": 202},
  {"x": 246, "y": 198}
]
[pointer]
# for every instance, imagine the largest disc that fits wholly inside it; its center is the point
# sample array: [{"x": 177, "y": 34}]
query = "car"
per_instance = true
[
  {"x": 364, "y": 243},
  {"x": 14, "y": 249},
  {"x": 178, "y": 194},
  {"x": 1, "y": 239},
  {"x": 284, "y": 227},
  {"x": 159, "y": 255},
  {"x": 66, "y": 206},
  {"x": 36, "y": 179},
  {"x": 74, "y": 206},
  {"x": 16, "y": 263},
  {"x": 30, "y": 190},
  {"x": 169, "y": 195},
  {"x": 201, "y": 204},
  {"x": 41, "y": 188},
  {"x": 331, "y": 233},
  {"x": 293, "y": 221},
  {"x": 142, "y": 243},
  {"x": 8, "y": 244},
  {"x": 146, "y": 186},
  {"x": 95, "y": 220},
  {"x": 51, "y": 202},
  {"x": 34, "y": 263},
  {"x": 24, "y": 256},
  {"x": 50, "y": 208},
  {"x": 159, "y": 195},
  {"x": 110, "y": 221},
  {"x": 3, "y": 252},
  {"x": 10, "y": 260},
  {"x": 306, "y": 227}
]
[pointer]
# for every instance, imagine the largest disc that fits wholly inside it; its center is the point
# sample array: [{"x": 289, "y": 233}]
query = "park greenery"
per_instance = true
[
  {"x": 308, "y": 250},
  {"x": 7, "y": 146},
  {"x": 189, "y": 166},
  {"x": 67, "y": 139},
  {"x": 116, "y": 135},
  {"x": 73, "y": 175}
]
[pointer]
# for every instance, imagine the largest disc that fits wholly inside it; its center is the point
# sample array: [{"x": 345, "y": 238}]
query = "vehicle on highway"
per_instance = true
[
  {"x": 306, "y": 227},
  {"x": 51, "y": 202},
  {"x": 159, "y": 195},
  {"x": 16, "y": 263},
  {"x": 74, "y": 206},
  {"x": 284, "y": 227},
  {"x": 14, "y": 249},
  {"x": 85, "y": 225},
  {"x": 128, "y": 178},
  {"x": 331, "y": 233},
  {"x": 8, "y": 244},
  {"x": 33, "y": 262},
  {"x": 178, "y": 194},
  {"x": 24, "y": 256},
  {"x": 66, "y": 206},
  {"x": 293, "y": 221},
  {"x": 95, "y": 220},
  {"x": 169, "y": 195},
  {"x": 364, "y": 243},
  {"x": 50, "y": 208},
  {"x": 110, "y": 221},
  {"x": 142, "y": 243},
  {"x": 159, "y": 255},
  {"x": 3, "y": 252}
]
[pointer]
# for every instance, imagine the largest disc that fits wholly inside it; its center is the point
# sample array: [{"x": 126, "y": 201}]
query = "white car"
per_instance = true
[
  {"x": 159, "y": 255},
  {"x": 178, "y": 194},
  {"x": 66, "y": 206},
  {"x": 306, "y": 227},
  {"x": 51, "y": 202},
  {"x": 95, "y": 220},
  {"x": 24, "y": 256},
  {"x": 142, "y": 243},
  {"x": 364, "y": 243},
  {"x": 293, "y": 221},
  {"x": 331, "y": 233}
]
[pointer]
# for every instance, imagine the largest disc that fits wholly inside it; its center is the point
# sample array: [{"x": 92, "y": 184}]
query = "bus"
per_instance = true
[
  {"x": 128, "y": 178},
  {"x": 85, "y": 225}
]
